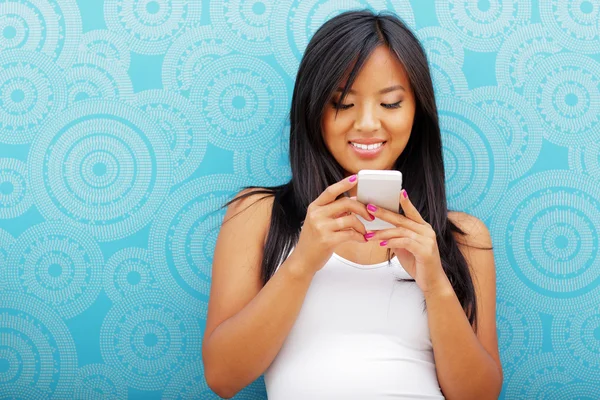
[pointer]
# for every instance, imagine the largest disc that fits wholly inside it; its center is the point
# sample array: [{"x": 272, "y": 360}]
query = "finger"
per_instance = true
[
  {"x": 409, "y": 209},
  {"x": 402, "y": 243},
  {"x": 404, "y": 222},
  {"x": 399, "y": 232},
  {"x": 349, "y": 221},
  {"x": 349, "y": 235},
  {"x": 346, "y": 204},
  {"x": 332, "y": 192}
]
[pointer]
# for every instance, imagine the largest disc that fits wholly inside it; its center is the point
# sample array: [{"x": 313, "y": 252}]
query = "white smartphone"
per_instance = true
[{"x": 382, "y": 188}]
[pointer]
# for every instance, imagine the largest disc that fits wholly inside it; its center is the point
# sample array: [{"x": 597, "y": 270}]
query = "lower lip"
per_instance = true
[{"x": 368, "y": 153}]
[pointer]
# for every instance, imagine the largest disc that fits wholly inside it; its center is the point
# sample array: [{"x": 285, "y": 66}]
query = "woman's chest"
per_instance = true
[{"x": 345, "y": 300}]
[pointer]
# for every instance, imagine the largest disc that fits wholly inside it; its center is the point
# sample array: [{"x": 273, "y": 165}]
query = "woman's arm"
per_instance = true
[
  {"x": 247, "y": 323},
  {"x": 468, "y": 364}
]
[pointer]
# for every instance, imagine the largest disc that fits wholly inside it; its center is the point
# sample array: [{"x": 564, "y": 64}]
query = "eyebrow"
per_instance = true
[{"x": 382, "y": 91}]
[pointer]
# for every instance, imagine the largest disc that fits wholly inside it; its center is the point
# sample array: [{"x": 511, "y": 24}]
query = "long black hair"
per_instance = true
[{"x": 345, "y": 42}]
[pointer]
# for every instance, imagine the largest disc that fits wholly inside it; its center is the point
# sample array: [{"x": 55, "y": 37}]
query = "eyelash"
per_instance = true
[{"x": 388, "y": 106}]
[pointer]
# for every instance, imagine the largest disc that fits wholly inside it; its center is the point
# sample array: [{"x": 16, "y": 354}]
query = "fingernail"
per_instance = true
[
  {"x": 404, "y": 193},
  {"x": 352, "y": 178},
  {"x": 372, "y": 217},
  {"x": 369, "y": 235},
  {"x": 371, "y": 207},
  {"x": 383, "y": 243}
]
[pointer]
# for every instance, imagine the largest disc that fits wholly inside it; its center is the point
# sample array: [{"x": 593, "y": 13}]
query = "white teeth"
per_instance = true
[{"x": 367, "y": 147}]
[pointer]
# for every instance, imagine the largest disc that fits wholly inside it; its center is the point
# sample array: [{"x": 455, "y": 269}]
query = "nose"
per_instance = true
[{"x": 367, "y": 120}]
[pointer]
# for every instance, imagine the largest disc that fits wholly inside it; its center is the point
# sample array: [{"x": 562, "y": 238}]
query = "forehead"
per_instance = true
[{"x": 381, "y": 69}]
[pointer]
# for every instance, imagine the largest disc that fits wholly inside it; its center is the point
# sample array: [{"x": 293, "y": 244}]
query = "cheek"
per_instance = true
[{"x": 334, "y": 129}]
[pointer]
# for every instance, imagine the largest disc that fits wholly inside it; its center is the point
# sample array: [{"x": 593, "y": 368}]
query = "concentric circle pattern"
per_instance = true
[
  {"x": 58, "y": 264},
  {"x": 149, "y": 27},
  {"x": 102, "y": 166},
  {"x": 148, "y": 338},
  {"x": 482, "y": 25},
  {"x": 37, "y": 351},
  {"x": 241, "y": 100},
  {"x": 181, "y": 124},
  {"x": 99, "y": 381},
  {"x": 574, "y": 23},
  {"x": 565, "y": 90},
  {"x": 32, "y": 88},
  {"x": 40, "y": 26},
  {"x": 547, "y": 241},
  {"x": 184, "y": 233},
  {"x": 15, "y": 195},
  {"x": 127, "y": 125}
]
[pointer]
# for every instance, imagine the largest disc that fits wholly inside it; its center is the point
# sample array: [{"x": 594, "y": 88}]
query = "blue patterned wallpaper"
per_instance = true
[{"x": 124, "y": 124}]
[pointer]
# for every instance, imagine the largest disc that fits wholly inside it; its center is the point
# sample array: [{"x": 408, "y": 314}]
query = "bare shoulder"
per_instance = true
[
  {"x": 476, "y": 232},
  {"x": 236, "y": 267},
  {"x": 253, "y": 204}
]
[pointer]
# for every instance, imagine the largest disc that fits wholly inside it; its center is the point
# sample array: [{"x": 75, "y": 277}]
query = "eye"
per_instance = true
[
  {"x": 394, "y": 105},
  {"x": 341, "y": 106}
]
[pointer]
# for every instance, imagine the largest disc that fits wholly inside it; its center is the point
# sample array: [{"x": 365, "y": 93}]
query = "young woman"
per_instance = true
[{"x": 304, "y": 294}]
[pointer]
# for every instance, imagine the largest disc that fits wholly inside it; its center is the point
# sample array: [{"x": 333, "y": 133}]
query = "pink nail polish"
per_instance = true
[
  {"x": 352, "y": 178},
  {"x": 371, "y": 207},
  {"x": 383, "y": 243},
  {"x": 370, "y": 235},
  {"x": 404, "y": 193}
]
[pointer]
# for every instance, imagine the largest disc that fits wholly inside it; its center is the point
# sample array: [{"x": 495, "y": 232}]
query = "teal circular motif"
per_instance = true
[
  {"x": 538, "y": 377},
  {"x": 190, "y": 383},
  {"x": 6, "y": 240},
  {"x": 587, "y": 390},
  {"x": 36, "y": 349},
  {"x": 442, "y": 42},
  {"x": 127, "y": 272},
  {"x": 548, "y": 240},
  {"x": 52, "y": 28},
  {"x": 519, "y": 332},
  {"x": 448, "y": 77},
  {"x": 479, "y": 177},
  {"x": 217, "y": 93},
  {"x": 574, "y": 23},
  {"x": 151, "y": 28},
  {"x": 93, "y": 77},
  {"x": 105, "y": 44},
  {"x": 180, "y": 123},
  {"x": 58, "y": 264},
  {"x": 577, "y": 335},
  {"x": 32, "y": 88},
  {"x": 519, "y": 123},
  {"x": 183, "y": 235},
  {"x": 15, "y": 196},
  {"x": 482, "y": 27},
  {"x": 189, "y": 55},
  {"x": 520, "y": 53},
  {"x": 135, "y": 154},
  {"x": 293, "y": 23},
  {"x": 21, "y": 391},
  {"x": 243, "y": 24},
  {"x": 147, "y": 338},
  {"x": 99, "y": 381},
  {"x": 585, "y": 160},
  {"x": 552, "y": 87},
  {"x": 268, "y": 165}
]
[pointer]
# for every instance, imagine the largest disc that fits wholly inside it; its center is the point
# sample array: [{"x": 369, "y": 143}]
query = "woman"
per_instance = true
[{"x": 304, "y": 294}]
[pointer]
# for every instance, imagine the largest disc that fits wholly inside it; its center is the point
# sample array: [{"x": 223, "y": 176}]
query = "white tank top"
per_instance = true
[{"x": 360, "y": 334}]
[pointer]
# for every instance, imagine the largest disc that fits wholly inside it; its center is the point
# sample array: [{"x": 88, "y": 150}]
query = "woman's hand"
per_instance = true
[
  {"x": 330, "y": 222},
  {"x": 413, "y": 240}
]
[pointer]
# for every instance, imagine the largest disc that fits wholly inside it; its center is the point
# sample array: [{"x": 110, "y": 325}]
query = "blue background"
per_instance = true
[{"x": 124, "y": 124}]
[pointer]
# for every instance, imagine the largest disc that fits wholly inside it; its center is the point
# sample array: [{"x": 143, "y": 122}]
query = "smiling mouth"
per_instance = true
[
  {"x": 367, "y": 147},
  {"x": 367, "y": 151}
]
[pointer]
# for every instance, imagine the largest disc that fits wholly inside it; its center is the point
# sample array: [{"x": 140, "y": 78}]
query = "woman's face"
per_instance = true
[{"x": 374, "y": 123}]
